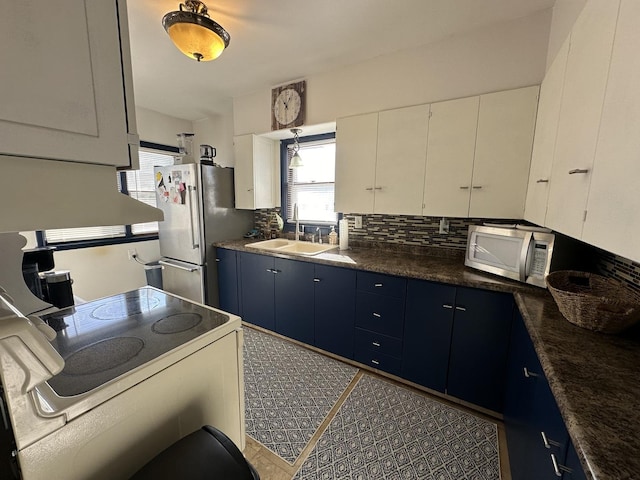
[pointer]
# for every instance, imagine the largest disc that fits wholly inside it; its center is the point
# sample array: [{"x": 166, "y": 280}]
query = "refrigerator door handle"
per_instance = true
[
  {"x": 175, "y": 265},
  {"x": 194, "y": 245}
]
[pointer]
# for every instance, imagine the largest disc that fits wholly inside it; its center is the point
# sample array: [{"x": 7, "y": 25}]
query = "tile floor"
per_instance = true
[{"x": 272, "y": 467}]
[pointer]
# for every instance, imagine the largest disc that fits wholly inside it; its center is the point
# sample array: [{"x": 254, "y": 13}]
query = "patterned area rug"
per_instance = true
[
  {"x": 289, "y": 391},
  {"x": 383, "y": 431}
]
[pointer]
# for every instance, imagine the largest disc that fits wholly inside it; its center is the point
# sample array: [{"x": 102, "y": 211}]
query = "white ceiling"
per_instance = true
[{"x": 276, "y": 41}]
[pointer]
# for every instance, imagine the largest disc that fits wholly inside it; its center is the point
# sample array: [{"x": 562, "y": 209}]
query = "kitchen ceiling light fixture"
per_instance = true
[
  {"x": 194, "y": 33},
  {"x": 296, "y": 160}
]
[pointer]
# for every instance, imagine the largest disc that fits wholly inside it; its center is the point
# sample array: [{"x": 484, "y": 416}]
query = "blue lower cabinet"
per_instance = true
[
  {"x": 573, "y": 465},
  {"x": 479, "y": 347},
  {"x": 378, "y": 360},
  {"x": 294, "y": 293},
  {"x": 226, "y": 263},
  {"x": 335, "y": 309},
  {"x": 257, "y": 289},
  {"x": 427, "y": 333},
  {"x": 379, "y": 313}
]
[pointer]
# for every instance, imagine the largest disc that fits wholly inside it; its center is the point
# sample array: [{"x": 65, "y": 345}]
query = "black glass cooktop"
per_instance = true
[{"x": 106, "y": 338}]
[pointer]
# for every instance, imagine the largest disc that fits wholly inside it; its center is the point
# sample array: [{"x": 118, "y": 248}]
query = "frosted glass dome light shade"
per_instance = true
[{"x": 194, "y": 33}]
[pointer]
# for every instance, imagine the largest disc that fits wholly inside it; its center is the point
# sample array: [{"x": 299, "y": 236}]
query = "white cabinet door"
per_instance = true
[
  {"x": 450, "y": 150},
  {"x": 583, "y": 95},
  {"x": 506, "y": 122},
  {"x": 63, "y": 81},
  {"x": 255, "y": 172},
  {"x": 544, "y": 142},
  {"x": 401, "y": 155},
  {"x": 356, "y": 147},
  {"x": 613, "y": 209}
]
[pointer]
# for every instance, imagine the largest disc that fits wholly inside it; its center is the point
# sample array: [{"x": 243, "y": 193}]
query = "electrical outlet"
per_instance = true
[
  {"x": 358, "y": 221},
  {"x": 131, "y": 253},
  {"x": 444, "y": 225}
]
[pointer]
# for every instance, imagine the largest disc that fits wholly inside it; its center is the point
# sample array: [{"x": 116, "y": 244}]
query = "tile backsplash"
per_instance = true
[{"x": 398, "y": 231}]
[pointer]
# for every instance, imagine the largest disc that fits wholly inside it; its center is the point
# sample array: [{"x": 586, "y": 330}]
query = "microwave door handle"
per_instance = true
[{"x": 524, "y": 252}]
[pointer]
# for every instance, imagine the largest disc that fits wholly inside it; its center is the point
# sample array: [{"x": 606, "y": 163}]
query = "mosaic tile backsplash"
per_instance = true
[{"x": 416, "y": 231}]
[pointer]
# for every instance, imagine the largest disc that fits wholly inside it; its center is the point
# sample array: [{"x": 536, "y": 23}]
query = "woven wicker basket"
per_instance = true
[{"x": 593, "y": 301}]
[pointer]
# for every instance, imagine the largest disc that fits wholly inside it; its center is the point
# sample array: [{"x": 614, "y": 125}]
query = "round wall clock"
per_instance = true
[{"x": 288, "y": 104}]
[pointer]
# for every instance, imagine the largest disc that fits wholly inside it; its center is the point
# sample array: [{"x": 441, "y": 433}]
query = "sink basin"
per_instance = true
[{"x": 292, "y": 247}]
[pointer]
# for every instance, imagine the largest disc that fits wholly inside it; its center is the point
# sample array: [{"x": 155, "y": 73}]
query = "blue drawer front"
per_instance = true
[
  {"x": 378, "y": 361},
  {"x": 378, "y": 343},
  {"x": 381, "y": 284},
  {"x": 380, "y": 314}
]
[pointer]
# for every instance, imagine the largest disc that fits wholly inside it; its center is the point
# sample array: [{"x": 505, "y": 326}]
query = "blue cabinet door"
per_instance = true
[
  {"x": 257, "y": 289},
  {"x": 572, "y": 462},
  {"x": 228, "y": 280},
  {"x": 427, "y": 333},
  {"x": 479, "y": 346},
  {"x": 294, "y": 299},
  {"x": 335, "y": 309}
]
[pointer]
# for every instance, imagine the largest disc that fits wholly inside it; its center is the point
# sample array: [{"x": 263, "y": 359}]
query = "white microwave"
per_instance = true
[{"x": 519, "y": 252}]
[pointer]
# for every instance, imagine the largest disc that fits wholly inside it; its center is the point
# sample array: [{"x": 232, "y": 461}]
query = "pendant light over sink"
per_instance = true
[
  {"x": 296, "y": 160},
  {"x": 194, "y": 33}
]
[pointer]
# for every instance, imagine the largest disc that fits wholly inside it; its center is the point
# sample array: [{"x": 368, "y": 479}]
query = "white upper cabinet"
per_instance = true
[
  {"x": 66, "y": 83},
  {"x": 613, "y": 208},
  {"x": 450, "y": 150},
  {"x": 356, "y": 151},
  {"x": 400, "y": 164},
  {"x": 255, "y": 172},
  {"x": 544, "y": 141},
  {"x": 506, "y": 122},
  {"x": 583, "y": 95}
]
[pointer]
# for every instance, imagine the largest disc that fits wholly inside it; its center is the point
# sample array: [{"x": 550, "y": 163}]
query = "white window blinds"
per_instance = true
[{"x": 312, "y": 186}]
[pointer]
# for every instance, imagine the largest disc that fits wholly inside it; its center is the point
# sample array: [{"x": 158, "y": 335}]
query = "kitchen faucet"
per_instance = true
[{"x": 295, "y": 218}]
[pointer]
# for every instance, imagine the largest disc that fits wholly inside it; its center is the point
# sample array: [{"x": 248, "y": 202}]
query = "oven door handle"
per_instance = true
[
  {"x": 164, "y": 263},
  {"x": 524, "y": 252}
]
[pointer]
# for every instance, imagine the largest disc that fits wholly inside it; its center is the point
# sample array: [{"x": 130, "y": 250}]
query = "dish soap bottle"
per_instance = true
[{"x": 333, "y": 237}]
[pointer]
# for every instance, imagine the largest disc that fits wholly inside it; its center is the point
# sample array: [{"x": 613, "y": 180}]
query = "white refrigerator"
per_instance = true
[{"x": 198, "y": 204}]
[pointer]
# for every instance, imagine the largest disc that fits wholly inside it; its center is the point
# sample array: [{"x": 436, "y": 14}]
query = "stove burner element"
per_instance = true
[
  {"x": 176, "y": 323},
  {"x": 123, "y": 309},
  {"x": 103, "y": 355}
]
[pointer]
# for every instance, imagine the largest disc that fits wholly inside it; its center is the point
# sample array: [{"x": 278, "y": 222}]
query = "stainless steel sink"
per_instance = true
[{"x": 292, "y": 247}]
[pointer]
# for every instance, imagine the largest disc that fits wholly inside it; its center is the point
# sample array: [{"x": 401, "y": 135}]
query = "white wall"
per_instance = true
[
  {"x": 565, "y": 13},
  {"x": 159, "y": 128},
  {"x": 504, "y": 56},
  {"x": 217, "y": 132}
]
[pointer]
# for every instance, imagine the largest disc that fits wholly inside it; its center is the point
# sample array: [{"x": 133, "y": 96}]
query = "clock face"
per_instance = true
[{"x": 286, "y": 108}]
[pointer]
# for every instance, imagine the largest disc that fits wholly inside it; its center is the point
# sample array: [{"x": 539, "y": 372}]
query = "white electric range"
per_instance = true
[{"x": 141, "y": 370}]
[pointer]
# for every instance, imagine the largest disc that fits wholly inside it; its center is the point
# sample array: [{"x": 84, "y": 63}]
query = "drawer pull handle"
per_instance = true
[
  {"x": 377, "y": 285},
  {"x": 447, "y": 306},
  {"x": 375, "y": 362},
  {"x": 549, "y": 443},
  {"x": 217, "y": 260},
  {"x": 316, "y": 279},
  {"x": 377, "y": 315},
  {"x": 529, "y": 374},
  {"x": 375, "y": 344},
  {"x": 578, "y": 170},
  {"x": 462, "y": 309},
  {"x": 558, "y": 469},
  {"x": 542, "y": 180}
]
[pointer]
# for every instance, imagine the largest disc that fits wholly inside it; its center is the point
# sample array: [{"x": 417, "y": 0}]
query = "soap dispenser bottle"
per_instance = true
[{"x": 333, "y": 237}]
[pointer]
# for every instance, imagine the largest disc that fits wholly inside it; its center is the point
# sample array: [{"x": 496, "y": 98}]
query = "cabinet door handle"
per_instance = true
[
  {"x": 549, "y": 443},
  {"x": 375, "y": 344},
  {"x": 477, "y": 187},
  {"x": 217, "y": 260},
  {"x": 542, "y": 180},
  {"x": 316, "y": 280},
  {"x": 529, "y": 374},
  {"x": 378, "y": 188},
  {"x": 578, "y": 170},
  {"x": 462, "y": 309},
  {"x": 464, "y": 188},
  {"x": 269, "y": 270},
  {"x": 377, "y": 315},
  {"x": 375, "y": 362},
  {"x": 447, "y": 306},
  {"x": 558, "y": 469},
  {"x": 377, "y": 285},
  {"x": 369, "y": 189}
]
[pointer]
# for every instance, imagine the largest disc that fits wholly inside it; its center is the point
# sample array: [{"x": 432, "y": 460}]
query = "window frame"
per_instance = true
[
  {"x": 284, "y": 180},
  {"x": 128, "y": 237}
]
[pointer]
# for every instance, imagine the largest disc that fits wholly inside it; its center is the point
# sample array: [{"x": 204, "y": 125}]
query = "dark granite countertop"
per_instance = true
[{"x": 595, "y": 378}]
